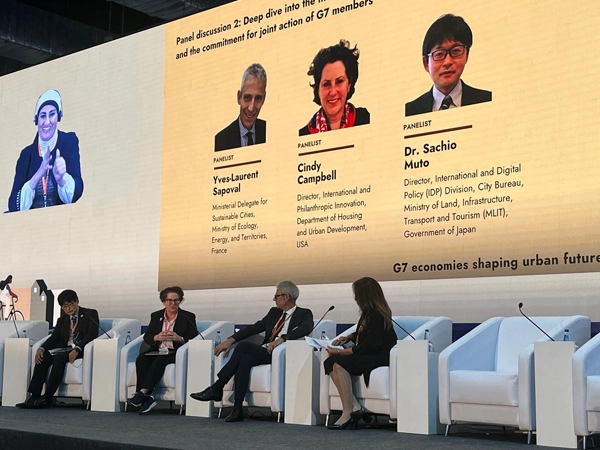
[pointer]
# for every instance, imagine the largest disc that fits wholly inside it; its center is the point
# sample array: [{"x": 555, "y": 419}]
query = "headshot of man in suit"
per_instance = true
[
  {"x": 285, "y": 321},
  {"x": 445, "y": 52},
  {"x": 247, "y": 129},
  {"x": 74, "y": 330}
]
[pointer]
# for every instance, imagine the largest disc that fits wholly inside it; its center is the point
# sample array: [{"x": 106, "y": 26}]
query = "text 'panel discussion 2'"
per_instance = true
[{"x": 284, "y": 224}]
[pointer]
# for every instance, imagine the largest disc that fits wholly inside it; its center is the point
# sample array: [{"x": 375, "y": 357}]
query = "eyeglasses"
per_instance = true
[
  {"x": 455, "y": 52},
  {"x": 278, "y": 295},
  {"x": 68, "y": 305},
  {"x": 173, "y": 302}
]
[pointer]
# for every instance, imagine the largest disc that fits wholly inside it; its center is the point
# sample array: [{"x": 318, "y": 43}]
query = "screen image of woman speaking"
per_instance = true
[
  {"x": 48, "y": 171},
  {"x": 335, "y": 72}
]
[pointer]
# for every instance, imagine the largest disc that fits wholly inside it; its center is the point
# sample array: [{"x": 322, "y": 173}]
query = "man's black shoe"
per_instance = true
[
  {"x": 39, "y": 402},
  {"x": 27, "y": 404},
  {"x": 237, "y": 415},
  {"x": 207, "y": 395}
]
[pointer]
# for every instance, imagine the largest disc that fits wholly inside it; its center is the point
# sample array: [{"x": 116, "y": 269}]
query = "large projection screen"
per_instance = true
[{"x": 498, "y": 188}]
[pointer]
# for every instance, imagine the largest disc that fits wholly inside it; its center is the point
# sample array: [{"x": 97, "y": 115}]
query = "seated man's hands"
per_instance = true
[
  {"x": 73, "y": 354},
  {"x": 39, "y": 355},
  {"x": 224, "y": 346},
  {"x": 271, "y": 346}
]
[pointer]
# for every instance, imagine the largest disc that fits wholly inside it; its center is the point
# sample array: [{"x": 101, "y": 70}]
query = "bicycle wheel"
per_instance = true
[{"x": 19, "y": 315}]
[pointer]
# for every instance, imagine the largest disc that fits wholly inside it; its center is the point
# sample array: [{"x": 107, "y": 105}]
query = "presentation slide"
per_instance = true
[{"x": 397, "y": 189}]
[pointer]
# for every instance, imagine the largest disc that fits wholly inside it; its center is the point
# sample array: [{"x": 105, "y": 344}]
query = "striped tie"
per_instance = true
[
  {"x": 446, "y": 103},
  {"x": 74, "y": 330}
]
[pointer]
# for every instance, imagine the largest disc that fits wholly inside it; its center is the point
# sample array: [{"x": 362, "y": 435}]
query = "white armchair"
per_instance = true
[
  {"x": 586, "y": 389},
  {"x": 172, "y": 386},
  {"x": 267, "y": 382},
  {"x": 77, "y": 380},
  {"x": 34, "y": 330},
  {"x": 380, "y": 396},
  {"x": 487, "y": 376}
]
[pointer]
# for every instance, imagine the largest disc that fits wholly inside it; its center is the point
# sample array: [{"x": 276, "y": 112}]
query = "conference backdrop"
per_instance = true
[{"x": 499, "y": 189}]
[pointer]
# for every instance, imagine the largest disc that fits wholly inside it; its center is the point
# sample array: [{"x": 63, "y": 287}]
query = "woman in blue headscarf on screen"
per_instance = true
[{"x": 48, "y": 171}]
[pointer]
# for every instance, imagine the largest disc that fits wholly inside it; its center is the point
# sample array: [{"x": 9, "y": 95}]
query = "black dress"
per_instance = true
[{"x": 371, "y": 351}]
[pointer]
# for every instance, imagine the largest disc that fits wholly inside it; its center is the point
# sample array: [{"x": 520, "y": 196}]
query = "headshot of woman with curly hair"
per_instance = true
[{"x": 335, "y": 72}]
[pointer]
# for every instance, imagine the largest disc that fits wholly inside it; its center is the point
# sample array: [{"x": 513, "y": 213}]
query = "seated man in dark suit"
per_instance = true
[
  {"x": 73, "y": 331},
  {"x": 284, "y": 321},
  {"x": 445, "y": 53},
  {"x": 247, "y": 128}
]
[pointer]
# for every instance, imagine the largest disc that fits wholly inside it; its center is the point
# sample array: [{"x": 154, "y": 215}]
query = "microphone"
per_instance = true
[
  {"x": 92, "y": 319},
  {"x": 535, "y": 324},
  {"x": 401, "y": 327},
  {"x": 195, "y": 326},
  {"x": 326, "y": 312}
]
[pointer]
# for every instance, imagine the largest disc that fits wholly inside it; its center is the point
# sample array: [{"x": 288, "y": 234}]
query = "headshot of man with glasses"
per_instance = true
[{"x": 445, "y": 54}]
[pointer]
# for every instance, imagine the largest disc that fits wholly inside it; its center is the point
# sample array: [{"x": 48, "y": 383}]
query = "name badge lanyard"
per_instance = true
[
  {"x": 280, "y": 323},
  {"x": 44, "y": 178},
  {"x": 167, "y": 326}
]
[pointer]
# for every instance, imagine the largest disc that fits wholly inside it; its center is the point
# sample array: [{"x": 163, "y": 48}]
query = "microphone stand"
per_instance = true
[
  {"x": 101, "y": 329},
  {"x": 195, "y": 326},
  {"x": 535, "y": 324},
  {"x": 326, "y": 312},
  {"x": 402, "y": 328}
]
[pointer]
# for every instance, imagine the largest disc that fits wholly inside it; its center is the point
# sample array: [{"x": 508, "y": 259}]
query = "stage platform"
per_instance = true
[{"x": 73, "y": 427}]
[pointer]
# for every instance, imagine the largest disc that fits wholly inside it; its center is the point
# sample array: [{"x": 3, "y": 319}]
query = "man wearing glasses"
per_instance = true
[
  {"x": 282, "y": 322},
  {"x": 247, "y": 129},
  {"x": 445, "y": 53},
  {"x": 73, "y": 331}
]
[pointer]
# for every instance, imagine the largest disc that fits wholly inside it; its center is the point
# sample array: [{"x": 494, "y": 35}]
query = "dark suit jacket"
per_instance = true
[
  {"x": 29, "y": 162},
  {"x": 87, "y": 326},
  {"x": 229, "y": 137},
  {"x": 301, "y": 324},
  {"x": 185, "y": 326},
  {"x": 424, "y": 104}
]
